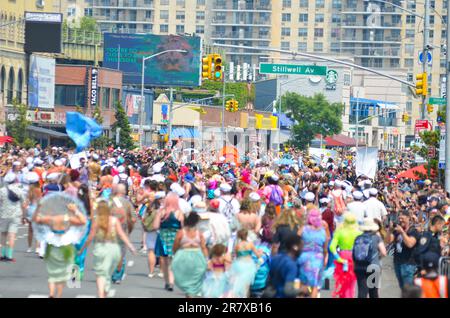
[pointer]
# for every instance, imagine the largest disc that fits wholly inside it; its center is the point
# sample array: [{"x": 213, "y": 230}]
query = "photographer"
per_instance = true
[{"x": 405, "y": 238}]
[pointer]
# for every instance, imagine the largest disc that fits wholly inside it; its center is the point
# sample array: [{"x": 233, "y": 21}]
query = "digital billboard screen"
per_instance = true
[
  {"x": 43, "y": 32},
  {"x": 172, "y": 69}
]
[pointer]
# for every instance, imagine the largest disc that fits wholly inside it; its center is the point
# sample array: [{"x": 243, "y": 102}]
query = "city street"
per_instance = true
[{"x": 27, "y": 278}]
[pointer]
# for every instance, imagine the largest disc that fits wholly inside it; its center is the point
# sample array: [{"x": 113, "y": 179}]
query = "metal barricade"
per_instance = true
[{"x": 444, "y": 265}]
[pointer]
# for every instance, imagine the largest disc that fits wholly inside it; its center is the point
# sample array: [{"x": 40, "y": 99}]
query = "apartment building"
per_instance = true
[{"x": 73, "y": 10}]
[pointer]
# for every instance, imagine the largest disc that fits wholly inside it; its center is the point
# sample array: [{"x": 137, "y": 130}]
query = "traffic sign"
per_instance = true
[
  {"x": 437, "y": 101},
  {"x": 423, "y": 125},
  {"x": 429, "y": 57},
  {"x": 269, "y": 68}
]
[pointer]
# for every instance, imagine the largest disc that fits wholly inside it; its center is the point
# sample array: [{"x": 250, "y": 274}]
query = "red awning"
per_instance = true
[
  {"x": 6, "y": 139},
  {"x": 341, "y": 141}
]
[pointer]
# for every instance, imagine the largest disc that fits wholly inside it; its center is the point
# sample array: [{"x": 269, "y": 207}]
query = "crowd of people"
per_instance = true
[{"x": 217, "y": 227}]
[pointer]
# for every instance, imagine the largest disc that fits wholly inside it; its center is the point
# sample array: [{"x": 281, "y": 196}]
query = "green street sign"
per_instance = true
[
  {"x": 268, "y": 68},
  {"x": 437, "y": 101}
]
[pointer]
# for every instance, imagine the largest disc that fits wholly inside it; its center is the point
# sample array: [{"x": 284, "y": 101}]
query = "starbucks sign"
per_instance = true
[{"x": 331, "y": 80}]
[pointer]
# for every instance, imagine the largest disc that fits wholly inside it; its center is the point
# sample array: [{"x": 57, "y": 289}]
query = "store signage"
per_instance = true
[{"x": 94, "y": 87}]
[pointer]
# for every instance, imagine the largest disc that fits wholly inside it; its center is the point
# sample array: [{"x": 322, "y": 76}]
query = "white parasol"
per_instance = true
[{"x": 56, "y": 204}]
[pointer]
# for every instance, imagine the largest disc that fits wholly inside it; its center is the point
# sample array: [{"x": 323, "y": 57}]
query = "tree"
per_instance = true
[
  {"x": 312, "y": 116},
  {"x": 103, "y": 141},
  {"x": 17, "y": 128},
  {"x": 88, "y": 24},
  {"x": 126, "y": 141},
  {"x": 429, "y": 139}
]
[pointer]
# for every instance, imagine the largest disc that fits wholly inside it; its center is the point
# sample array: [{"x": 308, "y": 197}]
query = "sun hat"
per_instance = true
[{"x": 369, "y": 225}]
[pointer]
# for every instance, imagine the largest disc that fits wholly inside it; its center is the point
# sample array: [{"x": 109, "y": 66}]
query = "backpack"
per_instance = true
[
  {"x": 228, "y": 211},
  {"x": 275, "y": 196},
  {"x": 422, "y": 246},
  {"x": 339, "y": 204},
  {"x": 124, "y": 181},
  {"x": 363, "y": 250}
]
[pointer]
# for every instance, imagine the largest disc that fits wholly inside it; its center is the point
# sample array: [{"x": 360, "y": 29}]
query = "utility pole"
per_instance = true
[
  {"x": 447, "y": 110},
  {"x": 426, "y": 35},
  {"x": 357, "y": 119},
  {"x": 169, "y": 126},
  {"x": 223, "y": 109}
]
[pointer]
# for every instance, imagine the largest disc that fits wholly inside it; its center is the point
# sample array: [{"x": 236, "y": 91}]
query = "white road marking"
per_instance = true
[{"x": 130, "y": 263}]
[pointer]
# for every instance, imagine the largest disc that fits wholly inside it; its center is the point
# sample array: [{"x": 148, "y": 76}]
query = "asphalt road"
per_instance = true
[{"x": 27, "y": 278}]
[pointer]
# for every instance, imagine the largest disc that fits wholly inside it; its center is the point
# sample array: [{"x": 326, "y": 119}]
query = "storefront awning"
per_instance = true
[
  {"x": 341, "y": 141},
  {"x": 45, "y": 131},
  {"x": 373, "y": 102},
  {"x": 183, "y": 132}
]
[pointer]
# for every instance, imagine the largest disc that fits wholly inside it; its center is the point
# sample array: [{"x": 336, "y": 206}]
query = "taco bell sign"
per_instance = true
[{"x": 94, "y": 87}]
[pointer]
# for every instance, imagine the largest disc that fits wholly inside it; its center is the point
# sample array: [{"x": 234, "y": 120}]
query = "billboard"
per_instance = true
[
  {"x": 43, "y": 32},
  {"x": 41, "y": 82},
  {"x": 172, "y": 69}
]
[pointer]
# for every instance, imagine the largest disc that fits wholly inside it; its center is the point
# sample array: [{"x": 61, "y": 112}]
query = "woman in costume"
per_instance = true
[
  {"x": 315, "y": 252},
  {"x": 168, "y": 221},
  {"x": 344, "y": 238},
  {"x": 216, "y": 281},
  {"x": 106, "y": 231},
  {"x": 59, "y": 259},
  {"x": 83, "y": 195},
  {"x": 249, "y": 221},
  {"x": 34, "y": 195},
  {"x": 189, "y": 263}
]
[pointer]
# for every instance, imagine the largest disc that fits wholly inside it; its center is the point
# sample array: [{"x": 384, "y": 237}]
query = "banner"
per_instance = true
[
  {"x": 75, "y": 159},
  {"x": 316, "y": 153},
  {"x": 82, "y": 129},
  {"x": 132, "y": 103},
  {"x": 366, "y": 162},
  {"x": 41, "y": 83}
]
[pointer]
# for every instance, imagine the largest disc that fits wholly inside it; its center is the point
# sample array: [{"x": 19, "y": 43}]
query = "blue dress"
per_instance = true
[
  {"x": 166, "y": 236},
  {"x": 310, "y": 262}
]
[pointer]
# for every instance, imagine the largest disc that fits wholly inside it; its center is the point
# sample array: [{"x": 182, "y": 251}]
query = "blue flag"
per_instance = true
[{"x": 82, "y": 129}]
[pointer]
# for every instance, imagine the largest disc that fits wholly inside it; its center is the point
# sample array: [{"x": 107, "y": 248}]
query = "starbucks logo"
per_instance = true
[{"x": 331, "y": 79}]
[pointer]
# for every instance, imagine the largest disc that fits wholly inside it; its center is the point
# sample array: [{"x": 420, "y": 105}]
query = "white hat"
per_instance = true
[
  {"x": 58, "y": 163},
  {"x": 38, "y": 161},
  {"x": 361, "y": 184},
  {"x": 29, "y": 160},
  {"x": 10, "y": 177},
  {"x": 225, "y": 187},
  {"x": 254, "y": 197},
  {"x": 373, "y": 191},
  {"x": 331, "y": 183},
  {"x": 217, "y": 193},
  {"x": 121, "y": 169},
  {"x": 53, "y": 176},
  {"x": 32, "y": 177},
  {"x": 324, "y": 200},
  {"x": 16, "y": 163},
  {"x": 195, "y": 199},
  {"x": 199, "y": 207},
  {"x": 339, "y": 183},
  {"x": 369, "y": 225},
  {"x": 95, "y": 156},
  {"x": 222, "y": 159},
  {"x": 358, "y": 195},
  {"x": 54, "y": 148},
  {"x": 274, "y": 177},
  {"x": 175, "y": 187},
  {"x": 310, "y": 197},
  {"x": 157, "y": 167},
  {"x": 368, "y": 182},
  {"x": 366, "y": 193},
  {"x": 160, "y": 195}
]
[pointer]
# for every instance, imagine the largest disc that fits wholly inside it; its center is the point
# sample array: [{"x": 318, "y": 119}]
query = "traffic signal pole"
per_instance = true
[
  {"x": 426, "y": 35},
  {"x": 223, "y": 108},
  {"x": 447, "y": 110}
]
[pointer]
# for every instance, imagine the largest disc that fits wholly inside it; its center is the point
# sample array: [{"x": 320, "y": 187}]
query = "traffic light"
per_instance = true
[
  {"x": 422, "y": 84},
  {"x": 405, "y": 118},
  {"x": 430, "y": 108},
  {"x": 218, "y": 68},
  {"x": 235, "y": 105},
  {"x": 207, "y": 67},
  {"x": 228, "y": 106}
]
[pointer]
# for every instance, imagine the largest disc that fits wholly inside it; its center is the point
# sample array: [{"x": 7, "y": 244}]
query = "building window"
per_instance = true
[
  {"x": 115, "y": 97},
  {"x": 410, "y": 33},
  {"x": 181, "y": 3},
  {"x": 148, "y": 14},
  {"x": 351, "y": 4},
  {"x": 286, "y": 17},
  {"x": 180, "y": 29},
  {"x": 304, "y": 3},
  {"x": 200, "y": 29},
  {"x": 318, "y": 46},
  {"x": 88, "y": 12},
  {"x": 408, "y": 106},
  {"x": 164, "y": 14},
  {"x": 335, "y": 47},
  {"x": 337, "y": 4},
  {"x": 409, "y": 77},
  {"x": 431, "y": 33},
  {"x": 303, "y": 17},
  {"x": 105, "y": 93},
  {"x": 164, "y": 28},
  {"x": 303, "y": 32},
  {"x": 319, "y": 18},
  {"x": 302, "y": 46},
  {"x": 164, "y": 2},
  {"x": 70, "y": 95},
  {"x": 200, "y": 15},
  {"x": 411, "y": 19},
  {"x": 287, "y": 3},
  {"x": 285, "y": 46},
  {"x": 318, "y": 32},
  {"x": 431, "y": 19},
  {"x": 285, "y": 31},
  {"x": 180, "y": 15},
  {"x": 148, "y": 28},
  {"x": 336, "y": 18},
  {"x": 201, "y": 2},
  {"x": 320, "y": 3},
  {"x": 409, "y": 49},
  {"x": 395, "y": 63},
  {"x": 71, "y": 12},
  {"x": 409, "y": 62}
]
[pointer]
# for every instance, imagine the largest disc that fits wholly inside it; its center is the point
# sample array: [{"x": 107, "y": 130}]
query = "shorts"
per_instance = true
[
  {"x": 9, "y": 225},
  {"x": 150, "y": 240}
]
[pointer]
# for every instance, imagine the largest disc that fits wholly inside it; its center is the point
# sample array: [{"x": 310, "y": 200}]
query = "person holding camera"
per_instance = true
[{"x": 405, "y": 238}]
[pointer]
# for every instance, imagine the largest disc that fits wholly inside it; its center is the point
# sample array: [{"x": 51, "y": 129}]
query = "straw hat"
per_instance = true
[{"x": 369, "y": 225}]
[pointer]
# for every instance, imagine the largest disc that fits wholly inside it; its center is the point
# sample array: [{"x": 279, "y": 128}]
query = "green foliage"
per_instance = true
[
  {"x": 242, "y": 92},
  {"x": 88, "y": 24},
  {"x": 79, "y": 109},
  {"x": 101, "y": 142},
  {"x": 314, "y": 115},
  {"x": 429, "y": 139},
  {"x": 18, "y": 128},
  {"x": 126, "y": 141}
]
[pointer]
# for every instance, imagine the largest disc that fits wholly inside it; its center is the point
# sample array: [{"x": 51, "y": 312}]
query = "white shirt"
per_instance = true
[
  {"x": 185, "y": 207},
  {"x": 122, "y": 176},
  {"x": 234, "y": 203},
  {"x": 357, "y": 208},
  {"x": 375, "y": 209}
]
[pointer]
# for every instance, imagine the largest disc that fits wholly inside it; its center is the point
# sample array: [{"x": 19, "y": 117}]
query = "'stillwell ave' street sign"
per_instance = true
[{"x": 268, "y": 68}]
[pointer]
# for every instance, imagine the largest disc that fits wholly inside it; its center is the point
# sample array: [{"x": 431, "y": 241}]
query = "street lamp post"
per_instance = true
[
  {"x": 141, "y": 106},
  {"x": 447, "y": 110}
]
